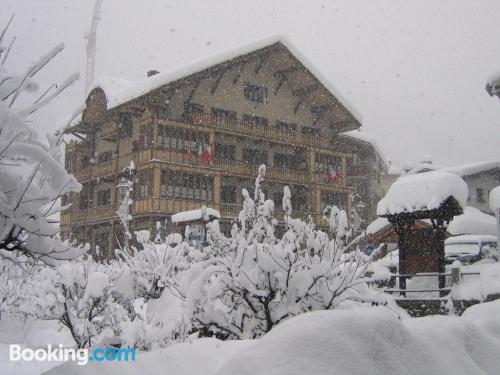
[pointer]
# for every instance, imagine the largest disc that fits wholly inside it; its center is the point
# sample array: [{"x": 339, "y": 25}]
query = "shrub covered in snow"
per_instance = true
[
  {"x": 81, "y": 295},
  {"x": 252, "y": 280},
  {"x": 32, "y": 174}
]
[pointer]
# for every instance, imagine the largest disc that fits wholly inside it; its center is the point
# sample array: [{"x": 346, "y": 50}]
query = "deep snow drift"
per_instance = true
[{"x": 358, "y": 341}]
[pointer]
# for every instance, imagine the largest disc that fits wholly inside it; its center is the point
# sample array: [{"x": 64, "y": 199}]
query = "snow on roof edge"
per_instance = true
[
  {"x": 160, "y": 79},
  {"x": 191, "y": 215},
  {"x": 472, "y": 168},
  {"x": 422, "y": 191},
  {"x": 361, "y": 136}
]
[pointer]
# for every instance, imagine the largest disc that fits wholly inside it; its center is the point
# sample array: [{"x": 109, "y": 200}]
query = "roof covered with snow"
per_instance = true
[
  {"x": 114, "y": 88},
  {"x": 119, "y": 91},
  {"x": 185, "y": 216},
  {"x": 495, "y": 199},
  {"x": 421, "y": 192},
  {"x": 377, "y": 225},
  {"x": 472, "y": 221},
  {"x": 361, "y": 136},
  {"x": 472, "y": 168},
  {"x": 470, "y": 239}
]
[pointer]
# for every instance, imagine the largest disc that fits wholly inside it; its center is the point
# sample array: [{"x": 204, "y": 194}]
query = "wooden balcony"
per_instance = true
[
  {"x": 249, "y": 170},
  {"x": 167, "y": 206},
  {"x": 230, "y": 210},
  {"x": 267, "y": 132},
  {"x": 233, "y": 210},
  {"x": 99, "y": 170},
  {"x": 94, "y": 215},
  {"x": 109, "y": 132},
  {"x": 65, "y": 218},
  {"x": 360, "y": 170},
  {"x": 324, "y": 179}
]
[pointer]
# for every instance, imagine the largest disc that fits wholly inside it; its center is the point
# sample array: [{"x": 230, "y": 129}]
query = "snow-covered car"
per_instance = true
[{"x": 470, "y": 248}]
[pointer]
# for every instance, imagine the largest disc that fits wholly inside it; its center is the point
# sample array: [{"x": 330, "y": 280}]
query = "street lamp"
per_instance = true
[
  {"x": 124, "y": 189},
  {"x": 493, "y": 87}
]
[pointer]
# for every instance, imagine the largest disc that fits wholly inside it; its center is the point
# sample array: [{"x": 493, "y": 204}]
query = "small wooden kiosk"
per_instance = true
[
  {"x": 195, "y": 221},
  {"x": 435, "y": 196}
]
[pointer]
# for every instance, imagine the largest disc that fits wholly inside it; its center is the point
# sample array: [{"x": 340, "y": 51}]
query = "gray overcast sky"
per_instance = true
[{"x": 416, "y": 71}]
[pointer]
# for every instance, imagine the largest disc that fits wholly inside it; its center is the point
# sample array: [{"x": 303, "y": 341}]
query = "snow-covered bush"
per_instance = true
[
  {"x": 32, "y": 174},
  {"x": 81, "y": 295},
  {"x": 154, "y": 265},
  {"x": 253, "y": 280},
  {"x": 13, "y": 278}
]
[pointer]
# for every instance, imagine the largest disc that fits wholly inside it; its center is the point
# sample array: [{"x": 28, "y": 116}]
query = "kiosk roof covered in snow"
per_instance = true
[
  {"x": 194, "y": 215},
  {"x": 428, "y": 195}
]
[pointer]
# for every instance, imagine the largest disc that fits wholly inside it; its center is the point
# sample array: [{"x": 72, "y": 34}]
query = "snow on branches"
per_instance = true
[
  {"x": 32, "y": 174},
  {"x": 253, "y": 280}
]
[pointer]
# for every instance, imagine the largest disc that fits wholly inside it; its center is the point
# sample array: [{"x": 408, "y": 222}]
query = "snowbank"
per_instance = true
[
  {"x": 186, "y": 216},
  {"x": 479, "y": 287},
  {"x": 423, "y": 191},
  {"x": 357, "y": 341},
  {"x": 495, "y": 199},
  {"x": 374, "y": 341},
  {"x": 472, "y": 221},
  {"x": 200, "y": 356}
]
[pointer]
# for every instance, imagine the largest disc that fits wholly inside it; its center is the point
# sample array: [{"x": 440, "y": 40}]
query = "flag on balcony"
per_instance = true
[
  {"x": 333, "y": 173},
  {"x": 190, "y": 153},
  {"x": 207, "y": 156}
]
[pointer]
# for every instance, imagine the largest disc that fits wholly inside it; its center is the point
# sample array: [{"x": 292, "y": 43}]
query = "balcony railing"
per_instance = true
[
  {"x": 95, "y": 214},
  {"x": 251, "y": 170},
  {"x": 109, "y": 131},
  {"x": 101, "y": 169},
  {"x": 167, "y": 205},
  {"x": 233, "y": 211},
  {"x": 258, "y": 131},
  {"x": 359, "y": 170}
]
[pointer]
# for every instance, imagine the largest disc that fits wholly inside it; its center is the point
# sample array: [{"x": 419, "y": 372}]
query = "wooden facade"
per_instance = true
[{"x": 198, "y": 140}]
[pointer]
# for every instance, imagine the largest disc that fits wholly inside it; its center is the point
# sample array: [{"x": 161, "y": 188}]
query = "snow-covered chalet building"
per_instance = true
[{"x": 197, "y": 136}]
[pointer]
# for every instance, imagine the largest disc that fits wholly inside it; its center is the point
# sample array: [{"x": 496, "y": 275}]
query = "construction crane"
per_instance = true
[{"x": 91, "y": 45}]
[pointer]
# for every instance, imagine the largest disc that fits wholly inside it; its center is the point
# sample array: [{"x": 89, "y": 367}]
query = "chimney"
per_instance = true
[{"x": 152, "y": 72}]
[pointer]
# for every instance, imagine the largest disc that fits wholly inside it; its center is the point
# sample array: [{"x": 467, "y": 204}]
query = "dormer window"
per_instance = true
[{"x": 254, "y": 93}]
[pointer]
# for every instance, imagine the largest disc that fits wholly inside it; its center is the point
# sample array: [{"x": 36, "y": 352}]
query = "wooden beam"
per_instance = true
[
  {"x": 285, "y": 72},
  {"x": 278, "y": 86},
  {"x": 217, "y": 81},
  {"x": 302, "y": 94},
  {"x": 304, "y": 91},
  {"x": 262, "y": 61},
  {"x": 193, "y": 90},
  {"x": 282, "y": 75},
  {"x": 297, "y": 105},
  {"x": 238, "y": 74},
  {"x": 320, "y": 112}
]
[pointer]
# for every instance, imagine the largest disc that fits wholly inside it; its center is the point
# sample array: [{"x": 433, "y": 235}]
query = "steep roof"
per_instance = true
[
  {"x": 302, "y": 77},
  {"x": 365, "y": 138},
  {"x": 472, "y": 168}
]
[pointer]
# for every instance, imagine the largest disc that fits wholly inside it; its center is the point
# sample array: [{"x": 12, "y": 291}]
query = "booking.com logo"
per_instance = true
[{"x": 80, "y": 356}]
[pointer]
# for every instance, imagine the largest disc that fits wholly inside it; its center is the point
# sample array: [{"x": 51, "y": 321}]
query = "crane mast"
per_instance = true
[{"x": 91, "y": 46}]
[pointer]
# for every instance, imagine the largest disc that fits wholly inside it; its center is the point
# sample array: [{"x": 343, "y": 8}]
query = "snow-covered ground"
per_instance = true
[{"x": 356, "y": 341}]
